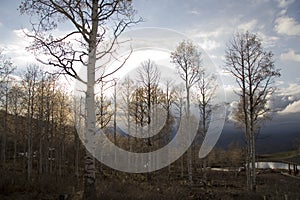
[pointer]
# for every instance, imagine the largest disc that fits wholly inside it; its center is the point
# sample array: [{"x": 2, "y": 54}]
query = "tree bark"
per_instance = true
[{"x": 90, "y": 176}]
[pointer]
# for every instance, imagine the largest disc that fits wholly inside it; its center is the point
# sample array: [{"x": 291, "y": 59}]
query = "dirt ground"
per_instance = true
[
  {"x": 221, "y": 185},
  {"x": 117, "y": 185}
]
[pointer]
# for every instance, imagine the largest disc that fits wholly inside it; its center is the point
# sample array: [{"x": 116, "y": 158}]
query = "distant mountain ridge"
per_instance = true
[{"x": 275, "y": 136}]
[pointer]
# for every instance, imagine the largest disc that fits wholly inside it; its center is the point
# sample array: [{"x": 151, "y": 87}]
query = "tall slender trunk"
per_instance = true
[
  {"x": 41, "y": 126},
  {"x": 76, "y": 156},
  {"x": 29, "y": 148},
  {"x": 4, "y": 134},
  {"x": 149, "y": 107},
  {"x": 30, "y": 111},
  {"x": 15, "y": 127},
  {"x": 3, "y": 141},
  {"x": 51, "y": 140},
  {"x": 253, "y": 163},
  {"x": 182, "y": 157},
  {"x": 40, "y": 156},
  {"x": 24, "y": 157},
  {"x": 247, "y": 165},
  {"x": 46, "y": 157},
  {"x": 204, "y": 115},
  {"x": 246, "y": 121},
  {"x": 128, "y": 127},
  {"x": 252, "y": 139},
  {"x": 90, "y": 176},
  {"x": 57, "y": 160},
  {"x": 15, "y": 140},
  {"x": 189, "y": 152},
  {"x": 47, "y": 130},
  {"x": 15, "y": 151},
  {"x": 115, "y": 120},
  {"x": 251, "y": 124},
  {"x": 62, "y": 162},
  {"x": 115, "y": 113}
]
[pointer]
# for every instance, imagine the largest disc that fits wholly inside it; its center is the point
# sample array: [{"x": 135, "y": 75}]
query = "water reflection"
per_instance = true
[{"x": 273, "y": 165}]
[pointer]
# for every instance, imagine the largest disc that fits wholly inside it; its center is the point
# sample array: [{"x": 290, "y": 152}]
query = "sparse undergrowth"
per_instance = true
[{"x": 117, "y": 185}]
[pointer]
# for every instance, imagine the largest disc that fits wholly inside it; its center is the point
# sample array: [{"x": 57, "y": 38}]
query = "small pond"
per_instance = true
[{"x": 273, "y": 165}]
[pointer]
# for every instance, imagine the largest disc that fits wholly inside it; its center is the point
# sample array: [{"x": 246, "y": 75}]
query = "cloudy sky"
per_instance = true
[{"x": 210, "y": 24}]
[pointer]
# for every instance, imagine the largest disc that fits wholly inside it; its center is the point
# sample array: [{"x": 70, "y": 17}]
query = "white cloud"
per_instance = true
[
  {"x": 208, "y": 40},
  {"x": 287, "y": 25},
  {"x": 194, "y": 12},
  {"x": 291, "y": 98},
  {"x": 248, "y": 26},
  {"x": 283, "y": 97},
  {"x": 292, "y": 90},
  {"x": 279, "y": 82},
  {"x": 268, "y": 40},
  {"x": 284, "y": 3},
  {"x": 290, "y": 55},
  {"x": 259, "y": 1},
  {"x": 291, "y": 108},
  {"x": 198, "y": 33},
  {"x": 213, "y": 56},
  {"x": 16, "y": 48},
  {"x": 209, "y": 44},
  {"x": 282, "y": 12}
]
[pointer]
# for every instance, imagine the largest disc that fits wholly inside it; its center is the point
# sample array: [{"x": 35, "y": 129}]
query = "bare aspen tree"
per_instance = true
[
  {"x": 138, "y": 110},
  {"x": 43, "y": 84},
  {"x": 30, "y": 82},
  {"x": 53, "y": 120},
  {"x": 63, "y": 114},
  {"x": 169, "y": 100},
  {"x": 179, "y": 107},
  {"x": 15, "y": 104},
  {"x": 115, "y": 111},
  {"x": 187, "y": 58},
  {"x": 50, "y": 84},
  {"x": 96, "y": 23},
  {"x": 103, "y": 106},
  {"x": 205, "y": 91},
  {"x": 6, "y": 69},
  {"x": 127, "y": 87},
  {"x": 254, "y": 71},
  {"x": 148, "y": 79},
  {"x": 40, "y": 116},
  {"x": 103, "y": 110},
  {"x": 170, "y": 95}
]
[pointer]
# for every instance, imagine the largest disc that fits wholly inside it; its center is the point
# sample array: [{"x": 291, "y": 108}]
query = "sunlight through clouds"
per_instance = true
[
  {"x": 209, "y": 44},
  {"x": 16, "y": 49},
  {"x": 287, "y": 25},
  {"x": 248, "y": 26}
]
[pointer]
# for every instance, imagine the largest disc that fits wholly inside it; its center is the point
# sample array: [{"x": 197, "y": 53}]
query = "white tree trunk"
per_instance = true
[{"x": 90, "y": 129}]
